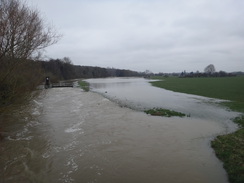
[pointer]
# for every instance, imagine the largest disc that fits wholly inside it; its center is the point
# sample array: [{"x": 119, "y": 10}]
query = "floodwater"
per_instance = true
[{"x": 67, "y": 135}]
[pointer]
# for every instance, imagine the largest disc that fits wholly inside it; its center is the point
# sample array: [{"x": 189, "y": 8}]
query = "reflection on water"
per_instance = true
[{"x": 67, "y": 135}]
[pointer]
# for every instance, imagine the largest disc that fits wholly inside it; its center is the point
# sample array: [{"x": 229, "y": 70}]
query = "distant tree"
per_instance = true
[
  {"x": 147, "y": 73},
  {"x": 210, "y": 69},
  {"x": 67, "y": 60},
  {"x": 222, "y": 74}
]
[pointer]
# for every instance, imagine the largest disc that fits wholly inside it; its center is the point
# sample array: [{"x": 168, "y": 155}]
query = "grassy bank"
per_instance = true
[
  {"x": 84, "y": 85},
  {"x": 228, "y": 148},
  {"x": 164, "y": 112}
]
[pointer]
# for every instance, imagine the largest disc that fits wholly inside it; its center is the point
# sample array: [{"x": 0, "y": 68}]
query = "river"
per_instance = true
[{"x": 66, "y": 135}]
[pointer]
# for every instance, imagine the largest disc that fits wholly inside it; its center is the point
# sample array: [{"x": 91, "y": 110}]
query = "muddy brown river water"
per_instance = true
[{"x": 66, "y": 135}]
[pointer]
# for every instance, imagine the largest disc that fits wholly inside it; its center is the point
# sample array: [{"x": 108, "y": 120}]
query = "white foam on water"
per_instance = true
[
  {"x": 19, "y": 139},
  {"x": 71, "y": 130},
  {"x": 36, "y": 112},
  {"x": 38, "y": 103},
  {"x": 37, "y": 108},
  {"x": 71, "y": 163},
  {"x": 33, "y": 124},
  {"x": 46, "y": 155},
  {"x": 76, "y": 127}
]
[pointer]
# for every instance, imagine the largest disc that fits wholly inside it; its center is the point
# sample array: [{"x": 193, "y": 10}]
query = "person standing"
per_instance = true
[{"x": 47, "y": 82}]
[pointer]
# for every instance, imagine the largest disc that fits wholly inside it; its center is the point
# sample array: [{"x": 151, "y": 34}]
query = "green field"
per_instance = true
[
  {"x": 228, "y": 148},
  {"x": 229, "y": 88}
]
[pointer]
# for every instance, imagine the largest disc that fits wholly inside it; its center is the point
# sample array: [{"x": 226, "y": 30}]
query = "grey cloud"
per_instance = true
[{"x": 159, "y": 35}]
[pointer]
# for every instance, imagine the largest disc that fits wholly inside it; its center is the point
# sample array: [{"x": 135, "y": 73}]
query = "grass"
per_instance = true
[
  {"x": 228, "y": 148},
  {"x": 163, "y": 112},
  {"x": 229, "y": 88},
  {"x": 84, "y": 85}
]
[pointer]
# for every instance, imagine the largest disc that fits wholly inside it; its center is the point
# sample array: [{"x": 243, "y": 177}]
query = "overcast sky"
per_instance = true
[{"x": 155, "y": 35}]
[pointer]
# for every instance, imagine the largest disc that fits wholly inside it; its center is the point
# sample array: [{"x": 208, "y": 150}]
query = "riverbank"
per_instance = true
[{"x": 228, "y": 148}]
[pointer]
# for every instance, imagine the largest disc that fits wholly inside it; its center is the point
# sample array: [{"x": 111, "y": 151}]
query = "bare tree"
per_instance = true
[
  {"x": 210, "y": 69},
  {"x": 67, "y": 60},
  {"x": 23, "y": 35},
  {"x": 22, "y": 31}
]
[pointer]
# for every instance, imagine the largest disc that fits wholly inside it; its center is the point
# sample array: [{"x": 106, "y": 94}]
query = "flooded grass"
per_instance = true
[
  {"x": 84, "y": 85},
  {"x": 163, "y": 112},
  {"x": 228, "y": 148},
  {"x": 234, "y": 105}
]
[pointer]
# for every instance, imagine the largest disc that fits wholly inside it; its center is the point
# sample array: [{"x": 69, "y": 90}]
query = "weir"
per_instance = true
[
  {"x": 48, "y": 84},
  {"x": 61, "y": 84}
]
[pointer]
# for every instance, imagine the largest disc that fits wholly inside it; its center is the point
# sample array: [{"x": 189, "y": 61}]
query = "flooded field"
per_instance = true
[
  {"x": 66, "y": 135},
  {"x": 138, "y": 94}
]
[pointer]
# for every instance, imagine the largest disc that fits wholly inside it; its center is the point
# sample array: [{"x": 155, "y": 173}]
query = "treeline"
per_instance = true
[
  {"x": 214, "y": 74},
  {"x": 59, "y": 69},
  {"x": 19, "y": 77}
]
